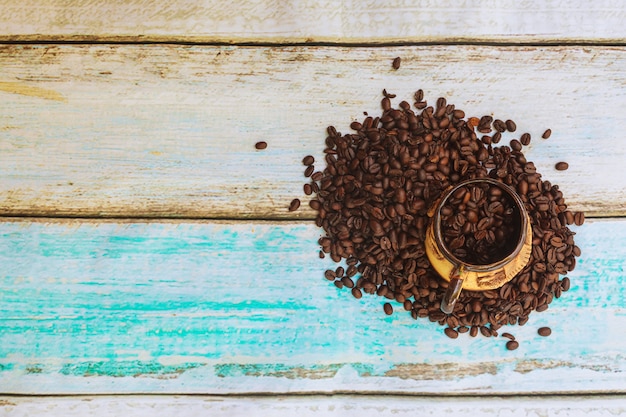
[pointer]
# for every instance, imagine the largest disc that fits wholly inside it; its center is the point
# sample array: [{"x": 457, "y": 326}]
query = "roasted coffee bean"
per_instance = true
[
  {"x": 396, "y": 63},
  {"x": 525, "y": 139},
  {"x": 308, "y": 190},
  {"x": 357, "y": 293},
  {"x": 511, "y": 126},
  {"x": 451, "y": 333},
  {"x": 516, "y": 145},
  {"x": 347, "y": 282},
  {"x": 294, "y": 205},
  {"x": 499, "y": 125},
  {"x": 308, "y": 160},
  {"x": 544, "y": 331},
  {"x": 512, "y": 345},
  {"x": 561, "y": 166},
  {"x": 508, "y": 336},
  {"x": 579, "y": 218},
  {"x": 546, "y": 134},
  {"x": 388, "y": 309},
  {"x": 260, "y": 145},
  {"x": 309, "y": 171},
  {"x": 473, "y": 331}
]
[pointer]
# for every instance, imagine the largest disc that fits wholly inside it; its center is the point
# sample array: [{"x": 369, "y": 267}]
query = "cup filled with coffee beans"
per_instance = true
[{"x": 479, "y": 237}]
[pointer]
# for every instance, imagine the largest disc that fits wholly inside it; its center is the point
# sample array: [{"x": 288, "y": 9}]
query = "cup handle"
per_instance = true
[{"x": 453, "y": 292}]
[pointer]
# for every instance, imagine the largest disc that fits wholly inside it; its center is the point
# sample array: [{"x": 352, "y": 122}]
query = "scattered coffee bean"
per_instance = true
[
  {"x": 525, "y": 139},
  {"x": 451, "y": 333},
  {"x": 308, "y": 160},
  {"x": 295, "y": 204},
  {"x": 511, "y": 126},
  {"x": 260, "y": 145},
  {"x": 561, "y": 166},
  {"x": 579, "y": 218},
  {"x": 357, "y": 293},
  {"x": 309, "y": 171},
  {"x": 308, "y": 190},
  {"x": 544, "y": 331},
  {"x": 508, "y": 336},
  {"x": 512, "y": 345},
  {"x": 396, "y": 63},
  {"x": 388, "y": 309},
  {"x": 546, "y": 134}
]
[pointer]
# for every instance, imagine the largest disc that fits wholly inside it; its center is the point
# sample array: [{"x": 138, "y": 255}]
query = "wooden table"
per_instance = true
[{"x": 149, "y": 264}]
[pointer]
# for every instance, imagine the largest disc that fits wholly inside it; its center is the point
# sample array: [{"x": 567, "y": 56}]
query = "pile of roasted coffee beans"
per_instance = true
[
  {"x": 378, "y": 183},
  {"x": 478, "y": 224}
]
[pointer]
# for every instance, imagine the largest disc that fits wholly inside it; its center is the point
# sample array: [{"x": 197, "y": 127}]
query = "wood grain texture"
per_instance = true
[
  {"x": 101, "y": 307},
  {"x": 314, "y": 21},
  {"x": 338, "y": 405},
  {"x": 169, "y": 131}
]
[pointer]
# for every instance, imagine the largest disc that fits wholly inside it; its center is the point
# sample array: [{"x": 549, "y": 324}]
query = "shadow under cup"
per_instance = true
[{"x": 509, "y": 259}]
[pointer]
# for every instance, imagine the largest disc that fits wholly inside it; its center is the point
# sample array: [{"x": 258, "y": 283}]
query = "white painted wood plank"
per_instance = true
[
  {"x": 315, "y": 21},
  {"x": 92, "y": 307},
  {"x": 288, "y": 406},
  {"x": 167, "y": 131}
]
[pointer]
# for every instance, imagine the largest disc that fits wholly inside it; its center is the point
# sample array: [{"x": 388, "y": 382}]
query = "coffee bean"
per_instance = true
[
  {"x": 499, "y": 125},
  {"x": 473, "y": 331},
  {"x": 561, "y": 166},
  {"x": 309, "y": 171},
  {"x": 525, "y": 139},
  {"x": 546, "y": 134},
  {"x": 512, "y": 345},
  {"x": 451, "y": 333},
  {"x": 565, "y": 284},
  {"x": 357, "y": 293},
  {"x": 516, "y": 145},
  {"x": 396, "y": 63},
  {"x": 308, "y": 190},
  {"x": 511, "y": 126},
  {"x": 260, "y": 145},
  {"x": 544, "y": 331},
  {"x": 294, "y": 205},
  {"x": 579, "y": 218},
  {"x": 330, "y": 275},
  {"x": 508, "y": 336},
  {"x": 388, "y": 309},
  {"x": 308, "y": 160}
]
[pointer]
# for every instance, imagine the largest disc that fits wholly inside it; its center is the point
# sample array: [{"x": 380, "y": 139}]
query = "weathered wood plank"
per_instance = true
[
  {"x": 338, "y": 405},
  {"x": 314, "y": 21},
  {"x": 167, "y": 131},
  {"x": 194, "y": 307}
]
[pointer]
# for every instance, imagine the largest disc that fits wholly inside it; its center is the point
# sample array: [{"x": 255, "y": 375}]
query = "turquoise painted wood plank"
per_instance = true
[
  {"x": 314, "y": 21},
  {"x": 169, "y": 130},
  {"x": 218, "y": 307},
  {"x": 316, "y": 405}
]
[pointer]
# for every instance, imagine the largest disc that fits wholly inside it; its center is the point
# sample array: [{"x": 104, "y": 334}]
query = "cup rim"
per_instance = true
[{"x": 478, "y": 267}]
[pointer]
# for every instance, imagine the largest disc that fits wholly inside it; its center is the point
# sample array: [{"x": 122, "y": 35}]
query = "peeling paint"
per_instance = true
[
  {"x": 277, "y": 371},
  {"x": 442, "y": 371},
  {"x": 28, "y": 90},
  {"x": 126, "y": 369}
]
